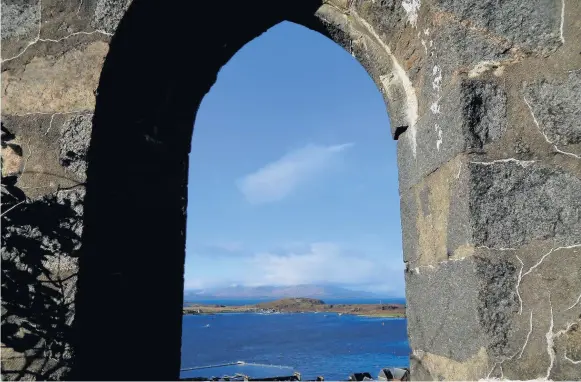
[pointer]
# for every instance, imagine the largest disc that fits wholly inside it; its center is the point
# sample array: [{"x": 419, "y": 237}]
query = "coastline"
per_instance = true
[{"x": 301, "y": 305}]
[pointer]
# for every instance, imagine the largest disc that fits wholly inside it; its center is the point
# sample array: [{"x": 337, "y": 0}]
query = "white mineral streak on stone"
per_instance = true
[
  {"x": 425, "y": 46},
  {"x": 418, "y": 353},
  {"x": 562, "y": 20},
  {"x": 519, "y": 353},
  {"x": 459, "y": 170},
  {"x": 411, "y": 8},
  {"x": 575, "y": 303},
  {"x": 495, "y": 249},
  {"x": 528, "y": 335},
  {"x": 401, "y": 75},
  {"x": 437, "y": 82},
  {"x": 14, "y": 206},
  {"x": 551, "y": 341},
  {"x": 439, "y": 141},
  {"x": 38, "y": 39},
  {"x": 547, "y": 254},
  {"x": 491, "y": 370},
  {"x": 499, "y": 71},
  {"x": 544, "y": 135},
  {"x": 523, "y": 163},
  {"x": 572, "y": 361},
  {"x": 550, "y": 336},
  {"x": 439, "y": 131},
  {"x": 522, "y": 265},
  {"x": 52, "y": 115},
  {"x": 482, "y": 67},
  {"x": 435, "y": 107},
  {"x": 563, "y": 331},
  {"x": 435, "y": 266}
]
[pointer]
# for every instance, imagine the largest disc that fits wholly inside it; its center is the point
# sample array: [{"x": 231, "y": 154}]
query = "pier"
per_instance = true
[{"x": 244, "y": 371}]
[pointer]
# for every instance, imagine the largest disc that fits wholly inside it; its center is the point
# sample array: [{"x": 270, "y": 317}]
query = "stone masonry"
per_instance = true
[{"x": 98, "y": 103}]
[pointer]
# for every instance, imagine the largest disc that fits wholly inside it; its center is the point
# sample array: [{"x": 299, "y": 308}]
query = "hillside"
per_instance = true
[{"x": 288, "y": 304}]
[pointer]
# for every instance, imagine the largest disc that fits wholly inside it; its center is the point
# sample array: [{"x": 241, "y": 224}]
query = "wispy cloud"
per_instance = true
[
  {"x": 314, "y": 263},
  {"x": 217, "y": 249},
  {"x": 228, "y": 246},
  {"x": 278, "y": 179},
  {"x": 329, "y": 263}
]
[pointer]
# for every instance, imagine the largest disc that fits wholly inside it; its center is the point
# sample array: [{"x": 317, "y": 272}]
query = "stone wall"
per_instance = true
[
  {"x": 484, "y": 98},
  {"x": 52, "y": 54}
]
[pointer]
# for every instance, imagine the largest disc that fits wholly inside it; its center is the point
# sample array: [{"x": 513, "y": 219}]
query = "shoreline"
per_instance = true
[
  {"x": 301, "y": 305},
  {"x": 394, "y": 315}
]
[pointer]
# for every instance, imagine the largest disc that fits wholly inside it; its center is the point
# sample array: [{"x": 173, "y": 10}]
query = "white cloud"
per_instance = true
[
  {"x": 330, "y": 263},
  {"x": 279, "y": 179},
  {"x": 195, "y": 283},
  {"x": 316, "y": 263}
]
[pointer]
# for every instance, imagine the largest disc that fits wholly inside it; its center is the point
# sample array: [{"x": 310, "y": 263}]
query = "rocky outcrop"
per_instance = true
[
  {"x": 99, "y": 98},
  {"x": 301, "y": 305}
]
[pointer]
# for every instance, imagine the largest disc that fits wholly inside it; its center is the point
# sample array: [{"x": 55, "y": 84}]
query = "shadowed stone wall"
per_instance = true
[{"x": 98, "y": 102}]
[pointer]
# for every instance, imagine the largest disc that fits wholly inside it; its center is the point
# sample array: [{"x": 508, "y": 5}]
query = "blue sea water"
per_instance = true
[{"x": 313, "y": 344}]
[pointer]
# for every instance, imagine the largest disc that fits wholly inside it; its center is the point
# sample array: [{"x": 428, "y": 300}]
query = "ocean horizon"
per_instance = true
[{"x": 253, "y": 301}]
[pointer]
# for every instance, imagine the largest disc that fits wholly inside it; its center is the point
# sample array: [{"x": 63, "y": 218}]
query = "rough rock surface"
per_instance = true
[
  {"x": 40, "y": 243},
  {"x": 74, "y": 140},
  {"x": 98, "y": 103},
  {"x": 557, "y": 108},
  {"x": 108, "y": 14},
  {"x": 19, "y": 19},
  {"x": 515, "y": 203},
  {"x": 532, "y": 24}
]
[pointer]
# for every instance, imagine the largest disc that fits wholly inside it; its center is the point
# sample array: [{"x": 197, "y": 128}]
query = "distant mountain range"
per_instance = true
[{"x": 269, "y": 291}]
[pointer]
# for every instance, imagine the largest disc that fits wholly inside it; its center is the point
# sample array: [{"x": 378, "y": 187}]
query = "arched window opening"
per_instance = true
[{"x": 293, "y": 194}]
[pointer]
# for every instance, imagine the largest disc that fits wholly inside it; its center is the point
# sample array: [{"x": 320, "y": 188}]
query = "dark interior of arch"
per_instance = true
[{"x": 163, "y": 59}]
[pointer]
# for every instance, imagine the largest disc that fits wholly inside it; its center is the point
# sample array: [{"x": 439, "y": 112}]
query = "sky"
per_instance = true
[{"x": 293, "y": 173}]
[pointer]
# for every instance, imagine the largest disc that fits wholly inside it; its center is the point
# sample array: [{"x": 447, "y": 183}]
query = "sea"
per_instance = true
[{"x": 314, "y": 344}]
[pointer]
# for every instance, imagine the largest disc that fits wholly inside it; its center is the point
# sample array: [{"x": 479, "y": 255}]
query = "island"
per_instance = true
[{"x": 301, "y": 305}]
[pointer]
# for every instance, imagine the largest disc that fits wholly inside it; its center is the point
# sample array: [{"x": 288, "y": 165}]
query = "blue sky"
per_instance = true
[{"x": 293, "y": 175}]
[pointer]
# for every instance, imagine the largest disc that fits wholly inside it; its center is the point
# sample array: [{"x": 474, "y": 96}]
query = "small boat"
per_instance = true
[{"x": 207, "y": 326}]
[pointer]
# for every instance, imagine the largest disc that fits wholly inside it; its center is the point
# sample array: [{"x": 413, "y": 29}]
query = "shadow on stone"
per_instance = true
[
  {"x": 162, "y": 61},
  {"x": 40, "y": 240}
]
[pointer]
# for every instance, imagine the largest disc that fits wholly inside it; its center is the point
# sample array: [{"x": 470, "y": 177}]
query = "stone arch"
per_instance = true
[
  {"x": 155, "y": 119},
  {"x": 485, "y": 108}
]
